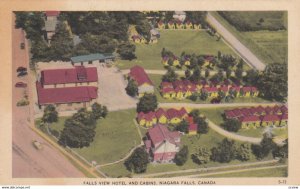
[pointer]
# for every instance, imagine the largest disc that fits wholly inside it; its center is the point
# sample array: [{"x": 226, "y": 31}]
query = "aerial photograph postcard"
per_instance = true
[{"x": 149, "y": 94}]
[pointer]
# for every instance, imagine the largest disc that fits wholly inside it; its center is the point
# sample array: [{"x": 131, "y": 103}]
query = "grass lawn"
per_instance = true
[
  {"x": 275, "y": 172},
  {"x": 198, "y": 42},
  {"x": 269, "y": 46},
  {"x": 115, "y": 136}
]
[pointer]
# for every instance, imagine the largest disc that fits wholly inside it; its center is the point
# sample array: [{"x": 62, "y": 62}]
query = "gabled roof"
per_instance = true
[
  {"x": 229, "y": 114},
  {"x": 160, "y": 133},
  {"x": 284, "y": 109},
  {"x": 250, "y": 118},
  {"x": 166, "y": 84},
  {"x": 71, "y": 75},
  {"x": 65, "y": 95},
  {"x": 146, "y": 116},
  {"x": 193, "y": 127},
  {"x": 270, "y": 118},
  {"x": 160, "y": 112},
  {"x": 284, "y": 117},
  {"x": 167, "y": 90},
  {"x": 210, "y": 89},
  {"x": 92, "y": 57},
  {"x": 139, "y": 75}
]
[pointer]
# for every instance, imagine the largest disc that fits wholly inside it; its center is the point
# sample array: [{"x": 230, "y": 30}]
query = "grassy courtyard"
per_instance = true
[
  {"x": 269, "y": 46},
  {"x": 198, "y": 42},
  {"x": 115, "y": 136}
]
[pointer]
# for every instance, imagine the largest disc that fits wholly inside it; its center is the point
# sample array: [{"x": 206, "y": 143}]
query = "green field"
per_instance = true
[
  {"x": 269, "y": 46},
  {"x": 198, "y": 42},
  {"x": 115, "y": 136},
  {"x": 275, "y": 172}
]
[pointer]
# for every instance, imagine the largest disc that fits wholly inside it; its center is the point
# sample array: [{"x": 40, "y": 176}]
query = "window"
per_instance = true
[{"x": 90, "y": 62}]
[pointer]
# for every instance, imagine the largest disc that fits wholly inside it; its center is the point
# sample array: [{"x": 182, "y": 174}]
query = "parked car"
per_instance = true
[
  {"x": 20, "y": 74},
  {"x": 21, "y": 85},
  {"x": 22, "y": 45},
  {"x": 37, "y": 145},
  {"x": 21, "y": 69}
]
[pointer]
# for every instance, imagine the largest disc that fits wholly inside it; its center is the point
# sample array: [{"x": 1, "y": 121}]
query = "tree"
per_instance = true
[
  {"x": 239, "y": 73},
  {"x": 228, "y": 73},
  {"x": 61, "y": 43},
  {"x": 187, "y": 74},
  {"x": 39, "y": 50},
  {"x": 79, "y": 130},
  {"x": 50, "y": 114},
  {"x": 232, "y": 125},
  {"x": 143, "y": 29},
  {"x": 227, "y": 61},
  {"x": 147, "y": 103},
  {"x": 207, "y": 73},
  {"x": 183, "y": 126},
  {"x": 221, "y": 95},
  {"x": 99, "y": 111},
  {"x": 202, "y": 126},
  {"x": 196, "y": 76},
  {"x": 219, "y": 55},
  {"x": 193, "y": 97},
  {"x": 203, "y": 95},
  {"x": 281, "y": 151},
  {"x": 224, "y": 152},
  {"x": 126, "y": 51},
  {"x": 170, "y": 76},
  {"x": 194, "y": 113},
  {"x": 264, "y": 148},
  {"x": 272, "y": 83},
  {"x": 138, "y": 161},
  {"x": 182, "y": 156},
  {"x": 244, "y": 152},
  {"x": 201, "y": 156},
  {"x": 240, "y": 64},
  {"x": 252, "y": 77},
  {"x": 132, "y": 88}
]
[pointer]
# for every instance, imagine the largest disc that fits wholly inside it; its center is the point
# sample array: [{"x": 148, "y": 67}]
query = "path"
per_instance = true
[
  {"x": 232, "y": 171},
  {"x": 205, "y": 169},
  {"x": 232, "y": 135},
  {"x": 244, "y": 52}
]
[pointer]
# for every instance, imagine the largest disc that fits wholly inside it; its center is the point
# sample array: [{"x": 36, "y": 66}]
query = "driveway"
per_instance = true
[
  {"x": 244, "y": 52},
  {"x": 111, "y": 90}
]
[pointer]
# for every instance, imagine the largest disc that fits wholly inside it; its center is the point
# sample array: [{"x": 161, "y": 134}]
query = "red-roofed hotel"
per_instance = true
[{"x": 68, "y": 89}]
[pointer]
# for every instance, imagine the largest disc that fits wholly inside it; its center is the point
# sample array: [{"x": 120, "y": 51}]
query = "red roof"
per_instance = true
[
  {"x": 139, "y": 75},
  {"x": 284, "y": 117},
  {"x": 172, "y": 113},
  {"x": 260, "y": 110},
  {"x": 284, "y": 109},
  {"x": 160, "y": 22},
  {"x": 167, "y": 90},
  {"x": 52, "y": 13},
  {"x": 210, "y": 89},
  {"x": 193, "y": 127},
  {"x": 229, "y": 114},
  {"x": 246, "y": 89},
  {"x": 250, "y": 118},
  {"x": 235, "y": 88},
  {"x": 78, "y": 74},
  {"x": 224, "y": 88},
  {"x": 268, "y": 110},
  {"x": 160, "y": 133},
  {"x": 65, "y": 95},
  {"x": 147, "y": 116},
  {"x": 190, "y": 119},
  {"x": 270, "y": 118},
  {"x": 160, "y": 112},
  {"x": 166, "y": 84}
]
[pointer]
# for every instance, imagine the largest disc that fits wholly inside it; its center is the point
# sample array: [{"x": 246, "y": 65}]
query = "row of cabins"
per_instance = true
[
  {"x": 67, "y": 89},
  {"x": 182, "y": 89},
  {"x": 154, "y": 36},
  {"x": 145, "y": 85},
  {"x": 177, "y": 24},
  {"x": 175, "y": 61},
  {"x": 96, "y": 58},
  {"x": 169, "y": 116},
  {"x": 255, "y": 117}
]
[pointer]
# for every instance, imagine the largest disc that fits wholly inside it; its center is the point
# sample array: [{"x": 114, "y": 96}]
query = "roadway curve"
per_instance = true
[{"x": 244, "y": 52}]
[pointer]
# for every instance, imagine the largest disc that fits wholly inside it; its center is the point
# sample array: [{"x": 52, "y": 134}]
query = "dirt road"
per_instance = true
[
  {"x": 244, "y": 52},
  {"x": 27, "y": 161}
]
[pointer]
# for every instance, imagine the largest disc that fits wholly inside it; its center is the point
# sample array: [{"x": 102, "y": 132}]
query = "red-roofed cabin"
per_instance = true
[
  {"x": 270, "y": 120},
  {"x": 250, "y": 121},
  {"x": 212, "y": 92},
  {"x": 71, "y": 77},
  {"x": 144, "y": 83},
  {"x": 164, "y": 144},
  {"x": 284, "y": 120},
  {"x": 68, "y": 98},
  {"x": 176, "y": 116},
  {"x": 52, "y": 15}
]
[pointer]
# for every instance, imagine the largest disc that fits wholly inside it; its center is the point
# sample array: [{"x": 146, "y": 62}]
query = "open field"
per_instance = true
[
  {"x": 198, "y": 42},
  {"x": 274, "y": 172},
  {"x": 156, "y": 79},
  {"x": 117, "y": 128},
  {"x": 269, "y": 46}
]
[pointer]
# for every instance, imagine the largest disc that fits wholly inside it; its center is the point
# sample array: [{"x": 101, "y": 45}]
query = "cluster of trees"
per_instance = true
[
  {"x": 132, "y": 88},
  {"x": 170, "y": 75},
  {"x": 182, "y": 156},
  {"x": 232, "y": 125},
  {"x": 255, "y": 23},
  {"x": 202, "y": 126},
  {"x": 79, "y": 130},
  {"x": 50, "y": 114},
  {"x": 147, "y": 103},
  {"x": 138, "y": 161}
]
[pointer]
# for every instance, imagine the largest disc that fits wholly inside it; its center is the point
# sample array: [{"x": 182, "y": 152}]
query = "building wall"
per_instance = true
[
  {"x": 145, "y": 89},
  {"x": 72, "y": 106},
  {"x": 95, "y": 84}
]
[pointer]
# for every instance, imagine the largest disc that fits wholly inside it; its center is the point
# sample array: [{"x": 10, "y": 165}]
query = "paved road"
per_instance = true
[
  {"x": 231, "y": 135},
  {"x": 206, "y": 169},
  {"x": 26, "y": 160},
  {"x": 244, "y": 52},
  {"x": 232, "y": 171}
]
